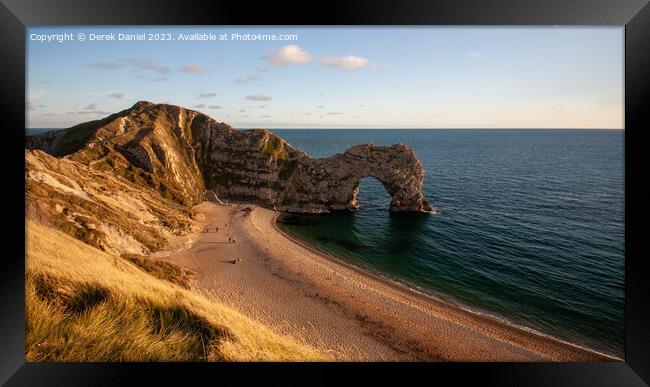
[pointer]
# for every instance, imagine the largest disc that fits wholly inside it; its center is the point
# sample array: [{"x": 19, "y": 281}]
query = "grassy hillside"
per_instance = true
[{"x": 86, "y": 305}]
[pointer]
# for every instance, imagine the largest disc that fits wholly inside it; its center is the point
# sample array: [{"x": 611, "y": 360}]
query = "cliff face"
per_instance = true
[
  {"x": 181, "y": 153},
  {"x": 100, "y": 209},
  {"x": 149, "y": 145}
]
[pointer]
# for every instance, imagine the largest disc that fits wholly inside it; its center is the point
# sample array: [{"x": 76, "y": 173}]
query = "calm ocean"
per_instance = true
[{"x": 530, "y": 225}]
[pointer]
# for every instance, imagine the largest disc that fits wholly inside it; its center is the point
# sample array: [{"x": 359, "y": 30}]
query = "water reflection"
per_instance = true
[
  {"x": 407, "y": 231},
  {"x": 364, "y": 231}
]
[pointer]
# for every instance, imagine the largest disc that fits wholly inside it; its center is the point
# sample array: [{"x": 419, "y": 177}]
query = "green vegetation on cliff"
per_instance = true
[{"x": 274, "y": 147}]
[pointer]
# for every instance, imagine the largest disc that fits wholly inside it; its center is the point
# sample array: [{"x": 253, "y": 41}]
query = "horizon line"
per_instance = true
[{"x": 375, "y": 128}]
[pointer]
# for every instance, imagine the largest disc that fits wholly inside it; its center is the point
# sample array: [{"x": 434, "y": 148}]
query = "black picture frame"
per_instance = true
[{"x": 15, "y": 15}]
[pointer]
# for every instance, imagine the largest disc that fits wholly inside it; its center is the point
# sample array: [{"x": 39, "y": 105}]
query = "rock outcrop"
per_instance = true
[
  {"x": 332, "y": 183},
  {"x": 182, "y": 154},
  {"x": 105, "y": 211}
]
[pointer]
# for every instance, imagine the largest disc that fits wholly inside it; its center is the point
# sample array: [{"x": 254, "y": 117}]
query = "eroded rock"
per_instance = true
[
  {"x": 182, "y": 154},
  {"x": 332, "y": 183},
  {"x": 100, "y": 209}
]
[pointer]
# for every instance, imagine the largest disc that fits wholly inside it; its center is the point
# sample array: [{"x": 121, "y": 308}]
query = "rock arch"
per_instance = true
[
  {"x": 321, "y": 185},
  {"x": 186, "y": 155},
  {"x": 369, "y": 180}
]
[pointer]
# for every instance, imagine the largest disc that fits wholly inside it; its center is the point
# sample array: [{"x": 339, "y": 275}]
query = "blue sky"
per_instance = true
[{"x": 369, "y": 77}]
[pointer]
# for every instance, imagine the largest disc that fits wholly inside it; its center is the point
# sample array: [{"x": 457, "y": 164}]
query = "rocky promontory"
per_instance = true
[
  {"x": 183, "y": 154},
  {"x": 332, "y": 183}
]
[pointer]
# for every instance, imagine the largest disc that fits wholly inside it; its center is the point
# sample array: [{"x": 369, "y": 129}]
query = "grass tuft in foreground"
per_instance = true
[
  {"x": 162, "y": 270},
  {"x": 85, "y": 322},
  {"x": 85, "y": 305}
]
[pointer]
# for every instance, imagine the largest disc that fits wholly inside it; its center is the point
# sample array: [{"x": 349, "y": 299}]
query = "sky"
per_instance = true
[{"x": 333, "y": 77}]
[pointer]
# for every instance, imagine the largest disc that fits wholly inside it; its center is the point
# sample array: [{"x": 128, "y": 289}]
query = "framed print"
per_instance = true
[{"x": 432, "y": 188}]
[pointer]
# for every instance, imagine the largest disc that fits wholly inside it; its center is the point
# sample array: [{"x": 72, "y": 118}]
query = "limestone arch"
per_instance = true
[
  {"x": 322, "y": 185},
  {"x": 357, "y": 189}
]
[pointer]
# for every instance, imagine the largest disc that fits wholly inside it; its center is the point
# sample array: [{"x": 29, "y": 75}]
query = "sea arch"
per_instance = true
[{"x": 332, "y": 183}]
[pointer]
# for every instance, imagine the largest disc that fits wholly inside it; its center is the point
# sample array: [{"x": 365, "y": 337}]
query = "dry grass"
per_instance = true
[
  {"x": 162, "y": 270},
  {"x": 86, "y": 305}
]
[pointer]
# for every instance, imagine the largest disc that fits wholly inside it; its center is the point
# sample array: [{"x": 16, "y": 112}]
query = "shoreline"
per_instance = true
[
  {"x": 428, "y": 297},
  {"x": 342, "y": 309}
]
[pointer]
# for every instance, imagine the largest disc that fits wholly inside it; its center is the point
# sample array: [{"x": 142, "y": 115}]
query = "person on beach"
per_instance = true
[{"x": 233, "y": 239}]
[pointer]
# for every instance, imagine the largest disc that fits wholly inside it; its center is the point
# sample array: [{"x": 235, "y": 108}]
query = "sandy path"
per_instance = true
[{"x": 338, "y": 308}]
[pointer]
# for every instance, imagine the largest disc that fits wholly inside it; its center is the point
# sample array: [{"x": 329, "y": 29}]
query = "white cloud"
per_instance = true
[
  {"x": 474, "y": 54},
  {"x": 207, "y": 95},
  {"x": 116, "y": 95},
  {"x": 88, "y": 112},
  {"x": 200, "y": 106},
  {"x": 152, "y": 79},
  {"x": 193, "y": 69},
  {"x": 349, "y": 63},
  {"x": 248, "y": 79},
  {"x": 106, "y": 65},
  {"x": 259, "y": 97},
  {"x": 142, "y": 64},
  {"x": 146, "y": 64},
  {"x": 214, "y": 107},
  {"x": 288, "y": 55}
]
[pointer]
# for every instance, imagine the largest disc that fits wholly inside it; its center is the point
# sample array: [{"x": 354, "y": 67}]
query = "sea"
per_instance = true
[{"x": 529, "y": 227}]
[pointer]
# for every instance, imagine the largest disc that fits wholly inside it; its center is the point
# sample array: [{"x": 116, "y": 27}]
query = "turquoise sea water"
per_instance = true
[{"x": 530, "y": 225}]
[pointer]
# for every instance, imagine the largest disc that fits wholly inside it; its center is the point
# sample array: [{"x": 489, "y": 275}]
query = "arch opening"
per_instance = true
[{"x": 370, "y": 193}]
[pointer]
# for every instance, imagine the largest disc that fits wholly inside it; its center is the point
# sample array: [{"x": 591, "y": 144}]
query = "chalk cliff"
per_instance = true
[
  {"x": 100, "y": 209},
  {"x": 184, "y": 155}
]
